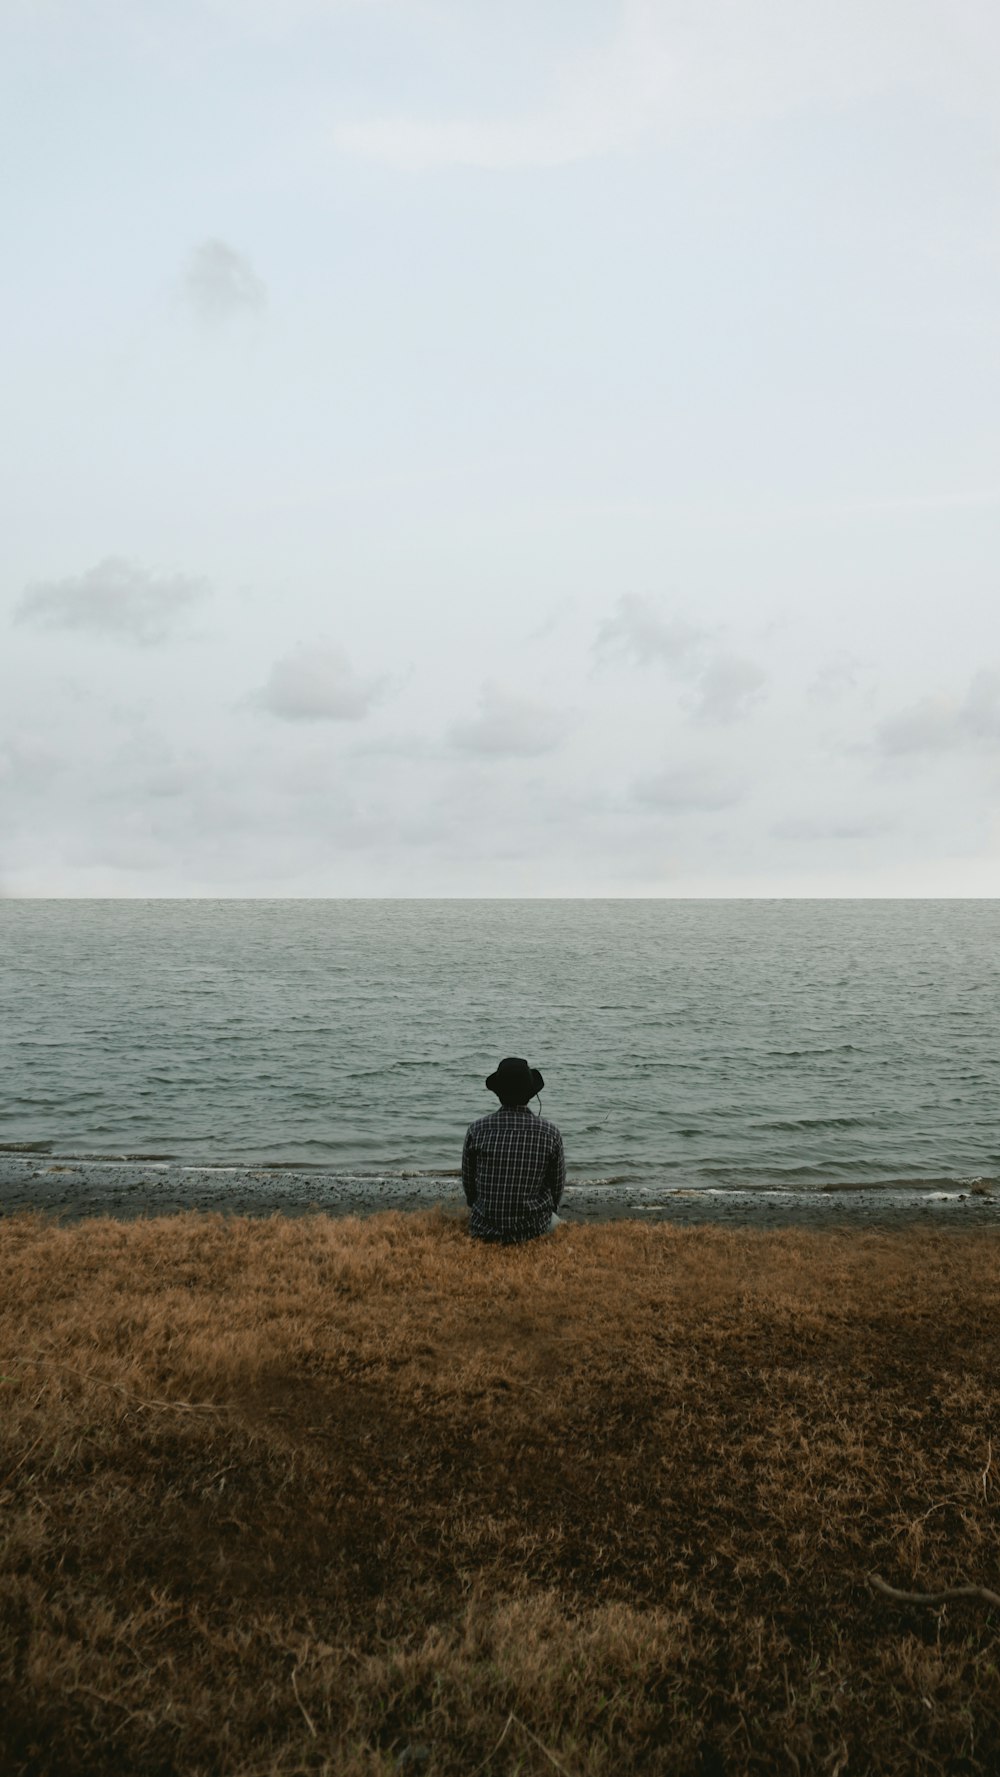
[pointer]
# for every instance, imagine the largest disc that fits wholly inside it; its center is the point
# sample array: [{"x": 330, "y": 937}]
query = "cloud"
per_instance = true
[
  {"x": 116, "y": 598},
  {"x": 727, "y": 685},
  {"x": 943, "y": 724},
  {"x": 638, "y": 633},
  {"x": 690, "y": 789},
  {"x": 508, "y": 727},
  {"x": 729, "y": 688},
  {"x": 316, "y": 685},
  {"x": 835, "y": 679},
  {"x": 220, "y": 283},
  {"x": 850, "y": 827}
]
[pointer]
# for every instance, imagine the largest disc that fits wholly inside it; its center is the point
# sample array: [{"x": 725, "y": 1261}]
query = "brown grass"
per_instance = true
[{"x": 303, "y": 1496}]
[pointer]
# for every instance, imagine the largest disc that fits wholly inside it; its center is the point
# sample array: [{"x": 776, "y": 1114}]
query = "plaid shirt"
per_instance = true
[{"x": 513, "y": 1173}]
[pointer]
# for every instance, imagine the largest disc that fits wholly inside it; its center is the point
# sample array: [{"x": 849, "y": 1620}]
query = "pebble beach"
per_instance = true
[{"x": 72, "y": 1188}]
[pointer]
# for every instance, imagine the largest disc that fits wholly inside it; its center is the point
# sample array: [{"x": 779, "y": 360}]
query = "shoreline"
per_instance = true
[{"x": 74, "y": 1189}]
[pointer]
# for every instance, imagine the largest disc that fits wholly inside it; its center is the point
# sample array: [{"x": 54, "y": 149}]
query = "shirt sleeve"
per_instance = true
[
  {"x": 469, "y": 1169},
  {"x": 555, "y": 1170}
]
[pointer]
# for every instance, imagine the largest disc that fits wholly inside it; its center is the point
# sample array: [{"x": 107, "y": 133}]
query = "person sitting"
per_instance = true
[{"x": 513, "y": 1165}]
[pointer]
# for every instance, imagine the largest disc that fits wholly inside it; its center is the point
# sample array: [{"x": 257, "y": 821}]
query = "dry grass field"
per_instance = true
[{"x": 303, "y": 1496}]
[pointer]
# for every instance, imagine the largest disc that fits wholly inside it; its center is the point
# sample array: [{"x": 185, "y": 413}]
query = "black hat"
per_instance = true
[{"x": 514, "y": 1081}]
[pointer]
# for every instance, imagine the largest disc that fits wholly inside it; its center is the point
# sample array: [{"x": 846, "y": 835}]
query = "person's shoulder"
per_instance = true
[
  {"x": 482, "y": 1122},
  {"x": 551, "y": 1130}
]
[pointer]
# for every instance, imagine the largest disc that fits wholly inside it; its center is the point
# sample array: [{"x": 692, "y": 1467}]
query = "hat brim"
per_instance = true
[{"x": 501, "y": 1082}]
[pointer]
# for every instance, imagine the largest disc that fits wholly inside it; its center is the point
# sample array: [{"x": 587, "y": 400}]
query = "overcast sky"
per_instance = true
[{"x": 453, "y": 448}]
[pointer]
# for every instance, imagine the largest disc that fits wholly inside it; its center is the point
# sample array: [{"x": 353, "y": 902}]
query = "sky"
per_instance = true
[{"x": 545, "y": 449}]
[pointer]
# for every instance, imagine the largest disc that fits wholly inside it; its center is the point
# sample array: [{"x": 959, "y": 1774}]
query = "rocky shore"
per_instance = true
[{"x": 72, "y": 1188}]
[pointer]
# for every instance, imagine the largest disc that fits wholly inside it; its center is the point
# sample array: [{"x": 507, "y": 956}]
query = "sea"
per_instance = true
[{"x": 722, "y": 1044}]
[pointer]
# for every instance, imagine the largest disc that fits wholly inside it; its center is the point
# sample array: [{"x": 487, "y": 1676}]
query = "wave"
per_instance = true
[{"x": 799, "y": 1123}]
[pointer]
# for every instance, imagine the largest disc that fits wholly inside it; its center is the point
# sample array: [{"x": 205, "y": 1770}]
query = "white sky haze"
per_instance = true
[{"x": 462, "y": 449}]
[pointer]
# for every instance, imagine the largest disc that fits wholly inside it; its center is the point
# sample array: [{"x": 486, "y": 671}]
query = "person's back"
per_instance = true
[{"x": 513, "y": 1166}]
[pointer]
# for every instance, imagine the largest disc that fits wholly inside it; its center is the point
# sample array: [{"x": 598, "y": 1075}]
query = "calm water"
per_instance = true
[{"x": 699, "y": 1042}]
